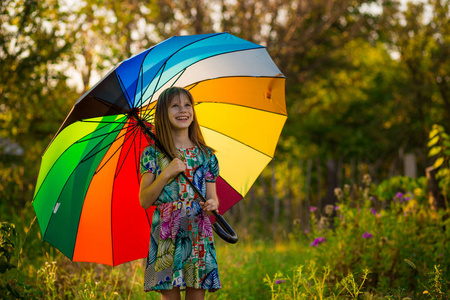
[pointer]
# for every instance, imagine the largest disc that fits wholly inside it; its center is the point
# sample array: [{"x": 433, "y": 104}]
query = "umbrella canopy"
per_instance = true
[{"x": 86, "y": 197}]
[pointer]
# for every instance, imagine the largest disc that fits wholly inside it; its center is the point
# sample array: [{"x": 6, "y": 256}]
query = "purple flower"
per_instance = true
[
  {"x": 373, "y": 211},
  {"x": 313, "y": 208},
  {"x": 317, "y": 241},
  {"x": 367, "y": 235},
  {"x": 399, "y": 195},
  {"x": 337, "y": 208},
  {"x": 280, "y": 281}
]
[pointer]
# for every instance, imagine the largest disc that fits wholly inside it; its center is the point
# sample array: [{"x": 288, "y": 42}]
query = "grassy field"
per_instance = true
[{"x": 367, "y": 248}]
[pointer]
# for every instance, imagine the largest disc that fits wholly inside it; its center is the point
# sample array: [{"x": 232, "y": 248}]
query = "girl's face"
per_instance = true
[{"x": 180, "y": 112}]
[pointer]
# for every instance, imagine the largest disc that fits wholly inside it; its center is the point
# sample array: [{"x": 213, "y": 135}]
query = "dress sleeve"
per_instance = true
[
  {"x": 148, "y": 160},
  {"x": 213, "y": 170}
]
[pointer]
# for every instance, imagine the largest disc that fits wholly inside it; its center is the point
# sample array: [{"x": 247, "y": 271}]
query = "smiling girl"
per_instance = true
[{"x": 182, "y": 254}]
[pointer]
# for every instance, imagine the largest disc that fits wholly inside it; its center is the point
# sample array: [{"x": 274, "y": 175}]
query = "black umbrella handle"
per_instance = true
[{"x": 220, "y": 226}]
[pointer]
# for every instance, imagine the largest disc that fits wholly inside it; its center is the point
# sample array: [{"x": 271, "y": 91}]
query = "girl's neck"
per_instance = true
[{"x": 181, "y": 139}]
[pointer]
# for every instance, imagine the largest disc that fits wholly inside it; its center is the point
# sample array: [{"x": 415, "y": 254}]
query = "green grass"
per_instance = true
[{"x": 378, "y": 248}]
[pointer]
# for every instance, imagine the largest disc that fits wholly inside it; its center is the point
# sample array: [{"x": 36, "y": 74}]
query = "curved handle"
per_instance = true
[{"x": 224, "y": 230}]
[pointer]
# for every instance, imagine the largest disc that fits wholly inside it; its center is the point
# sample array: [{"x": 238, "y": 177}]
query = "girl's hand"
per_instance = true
[
  {"x": 175, "y": 167},
  {"x": 209, "y": 206}
]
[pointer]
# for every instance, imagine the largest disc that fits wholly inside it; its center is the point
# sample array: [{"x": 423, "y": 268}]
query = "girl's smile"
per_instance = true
[{"x": 180, "y": 112}]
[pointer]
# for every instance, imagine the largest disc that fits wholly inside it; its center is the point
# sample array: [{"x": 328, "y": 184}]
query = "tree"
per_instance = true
[
  {"x": 420, "y": 35},
  {"x": 34, "y": 38}
]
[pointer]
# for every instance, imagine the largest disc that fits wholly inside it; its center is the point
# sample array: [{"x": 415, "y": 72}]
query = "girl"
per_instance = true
[{"x": 182, "y": 255}]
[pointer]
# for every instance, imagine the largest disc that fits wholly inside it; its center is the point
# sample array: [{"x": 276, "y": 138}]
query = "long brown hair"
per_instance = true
[{"x": 162, "y": 124}]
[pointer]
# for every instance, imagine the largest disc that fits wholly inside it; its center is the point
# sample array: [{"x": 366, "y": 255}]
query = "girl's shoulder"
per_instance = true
[{"x": 150, "y": 151}]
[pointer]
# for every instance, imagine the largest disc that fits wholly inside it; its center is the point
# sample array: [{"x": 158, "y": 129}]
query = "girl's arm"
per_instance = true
[
  {"x": 212, "y": 201},
  {"x": 152, "y": 186}
]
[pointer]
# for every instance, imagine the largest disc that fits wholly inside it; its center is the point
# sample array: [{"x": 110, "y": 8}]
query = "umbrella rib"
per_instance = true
[
  {"x": 111, "y": 105},
  {"x": 225, "y": 53},
  {"x": 60, "y": 194},
  {"x": 151, "y": 97},
  {"x": 240, "y": 142},
  {"x": 138, "y": 158},
  {"x": 84, "y": 139},
  {"x": 101, "y": 149},
  {"x": 244, "y": 106},
  {"x": 164, "y": 65},
  {"x": 37, "y": 192},
  {"x": 131, "y": 136}
]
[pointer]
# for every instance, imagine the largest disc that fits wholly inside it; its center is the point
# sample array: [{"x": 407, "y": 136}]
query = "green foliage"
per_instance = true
[
  {"x": 7, "y": 232},
  {"x": 34, "y": 41},
  {"x": 314, "y": 284},
  {"x": 387, "y": 190},
  {"x": 439, "y": 145},
  {"x": 399, "y": 249}
]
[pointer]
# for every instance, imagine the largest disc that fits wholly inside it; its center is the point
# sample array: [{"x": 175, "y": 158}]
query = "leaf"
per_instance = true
[
  {"x": 433, "y": 141},
  {"x": 212, "y": 280},
  {"x": 152, "y": 253},
  {"x": 182, "y": 251},
  {"x": 165, "y": 255},
  {"x": 190, "y": 271},
  {"x": 434, "y": 151},
  {"x": 410, "y": 263},
  {"x": 434, "y": 132},
  {"x": 438, "y": 162}
]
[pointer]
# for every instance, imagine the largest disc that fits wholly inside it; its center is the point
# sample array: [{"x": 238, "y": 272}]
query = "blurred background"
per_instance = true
[{"x": 366, "y": 83}]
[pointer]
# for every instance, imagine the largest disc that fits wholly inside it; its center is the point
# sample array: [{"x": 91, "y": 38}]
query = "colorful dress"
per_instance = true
[{"x": 182, "y": 251}]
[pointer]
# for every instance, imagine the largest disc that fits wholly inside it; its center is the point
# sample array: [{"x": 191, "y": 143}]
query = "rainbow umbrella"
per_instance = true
[{"x": 86, "y": 197}]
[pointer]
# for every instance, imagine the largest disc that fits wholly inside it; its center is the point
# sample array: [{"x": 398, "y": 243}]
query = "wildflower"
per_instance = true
[
  {"x": 329, "y": 209},
  {"x": 373, "y": 211},
  {"x": 313, "y": 208},
  {"x": 280, "y": 281},
  {"x": 317, "y": 241},
  {"x": 367, "y": 180},
  {"x": 337, "y": 208},
  {"x": 367, "y": 235},
  {"x": 399, "y": 195},
  {"x": 339, "y": 193}
]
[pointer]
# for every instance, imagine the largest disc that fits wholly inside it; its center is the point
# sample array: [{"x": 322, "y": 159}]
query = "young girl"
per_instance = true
[{"x": 182, "y": 255}]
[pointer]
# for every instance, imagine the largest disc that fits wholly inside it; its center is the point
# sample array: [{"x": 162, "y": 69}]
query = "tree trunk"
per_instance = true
[
  {"x": 332, "y": 183},
  {"x": 299, "y": 214},
  {"x": 319, "y": 184},
  {"x": 264, "y": 201},
  {"x": 288, "y": 202},
  {"x": 276, "y": 200},
  {"x": 306, "y": 211},
  {"x": 435, "y": 198}
]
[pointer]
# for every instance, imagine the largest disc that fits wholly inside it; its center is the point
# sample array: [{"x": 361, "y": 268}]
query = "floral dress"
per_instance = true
[{"x": 182, "y": 251}]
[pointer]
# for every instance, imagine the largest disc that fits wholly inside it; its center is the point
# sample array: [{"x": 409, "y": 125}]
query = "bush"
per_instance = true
[{"x": 366, "y": 234}]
